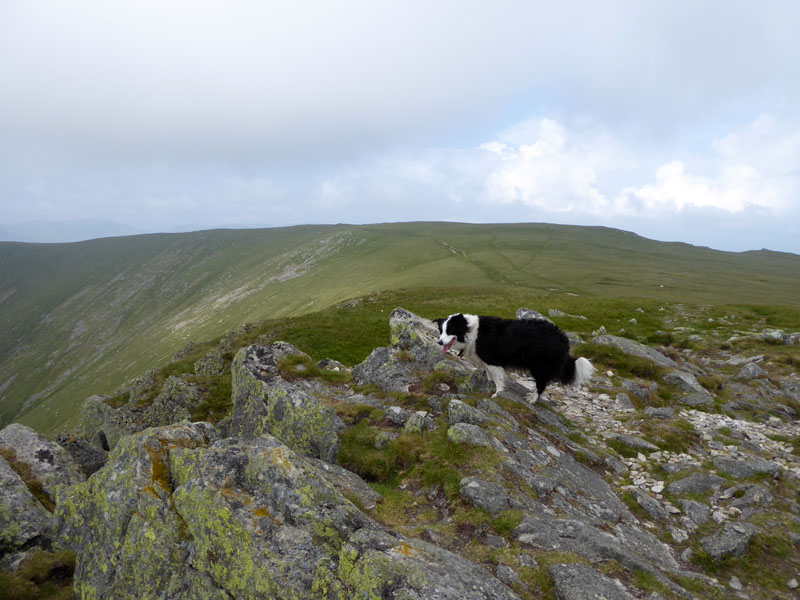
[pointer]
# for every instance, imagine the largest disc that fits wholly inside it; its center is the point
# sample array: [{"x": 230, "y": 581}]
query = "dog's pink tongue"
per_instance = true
[{"x": 448, "y": 346}]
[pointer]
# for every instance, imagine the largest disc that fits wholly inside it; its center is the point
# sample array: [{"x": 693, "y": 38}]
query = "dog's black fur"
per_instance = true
[{"x": 536, "y": 345}]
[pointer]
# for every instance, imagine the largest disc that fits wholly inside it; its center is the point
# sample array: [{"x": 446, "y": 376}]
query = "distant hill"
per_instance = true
[{"x": 82, "y": 318}]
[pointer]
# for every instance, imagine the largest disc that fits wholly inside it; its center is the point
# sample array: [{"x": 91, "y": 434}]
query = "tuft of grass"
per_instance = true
[
  {"x": 119, "y": 400},
  {"x": 622, "y": 449},
  {"x": 216, "y": 392},
  {"x": 298, "y": 366},
  {"x": 673, "y": 435},
  {"x": 43, "y": 575},
  {"x": 505, "y": 522},
  {"x": 432, "y": 381}
]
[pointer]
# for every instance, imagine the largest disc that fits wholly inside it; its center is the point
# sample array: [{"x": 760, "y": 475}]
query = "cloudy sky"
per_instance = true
[{"x": 676, "y": 120}]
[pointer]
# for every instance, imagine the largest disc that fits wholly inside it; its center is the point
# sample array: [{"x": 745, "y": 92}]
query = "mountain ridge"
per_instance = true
[{"x": 84, "y": 317}]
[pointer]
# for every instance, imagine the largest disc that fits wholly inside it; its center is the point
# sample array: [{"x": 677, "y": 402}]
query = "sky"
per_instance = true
[{"x": 679, "y": 121}]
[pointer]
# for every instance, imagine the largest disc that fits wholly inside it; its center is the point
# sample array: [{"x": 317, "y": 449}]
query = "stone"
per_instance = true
[
  {"x": 496, "y": 541},
  {"x": 697, "y": 512},
  {"x": 641, "y": 550},
  {"x": 413, "y": 350},
  {"x": 104, "y": 425},
  {"x": 420, "y": 421},
  {"x": 623, "y": 401},
  {"x": 660, "y": 412},
  {"x": 490, "y": 496},
  {"x": 349, "y": 484},
  {"x": 397, "y": 415},
  {"x": 582, "y": 582},
  {"x": 730, "y": 540},
  {"x": 460, "y": 412},
  {"x": 735, "y": 584},
  {"x": 637, "y": 389},
  {"x": 688, "y": 384},
  {"x": 263, "y": 402},
  {"x": 53, "y": 466},
  {"x": 465, "y": 433},
  {"x": 754, "y": 495},
  {"x": 697, "y": 399},
  {"x": 636, "y": 349},
  {"x": 378, "y": 564},
  {"x": 477, "y": 382},
  {"x": 88, "y": 457},
  {"x": 751, "y": 371},
  {"x": 495, "y": 411},
  {"x": 177, "y": 508},
  {"x": 212, "y": 364},
  {"x": 742, "y": 469},
  {"x": 529, "y": 313},
  {"x": 24, "y": 521},
  {"x": 696, "y": 483},
  {"x": 510, "y": 577},
  {"x": 651, "y": 506},
  {"x": 637, "y": 443}
]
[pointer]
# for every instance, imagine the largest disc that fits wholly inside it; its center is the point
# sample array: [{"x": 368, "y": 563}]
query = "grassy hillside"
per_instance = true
[{"x": 83, "y": 318}]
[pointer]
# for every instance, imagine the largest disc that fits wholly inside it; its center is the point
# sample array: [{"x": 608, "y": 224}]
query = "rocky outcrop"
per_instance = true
[
  {"x": 413, "y": 352},
  {"x": 48, "y": 462},
  {"x": 24, "y": 521},
  {"x": 104, "y": 425},
  {"x": 264, "y": 402},
  {"x": 196, "y": 516},
  {"x": 580, "y": 495}
]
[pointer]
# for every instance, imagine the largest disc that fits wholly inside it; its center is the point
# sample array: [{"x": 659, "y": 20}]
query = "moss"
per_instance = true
[{"x": 44, "y": 575}]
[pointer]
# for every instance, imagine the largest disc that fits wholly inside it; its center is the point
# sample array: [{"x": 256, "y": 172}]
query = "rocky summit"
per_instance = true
[{"x": 677, "y": 476}]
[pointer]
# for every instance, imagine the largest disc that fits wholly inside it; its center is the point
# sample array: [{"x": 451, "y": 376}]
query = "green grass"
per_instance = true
[{"x": 126, "y": 305}]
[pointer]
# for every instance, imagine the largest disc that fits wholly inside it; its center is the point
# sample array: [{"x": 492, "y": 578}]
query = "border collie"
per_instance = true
[{"x": 496, "y": 344}]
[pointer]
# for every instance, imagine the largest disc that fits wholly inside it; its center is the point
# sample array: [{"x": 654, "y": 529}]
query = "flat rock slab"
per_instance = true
[
  {"x": 636, "y": 349},
  {"x": 490, "y": 496},
  {"x": 742, "y": 469},
  {"x": 696, "y": 483},
  {"x": 582, "y": 582},
  {"x": 634, "y": 442},
  {"x": 732, "y": 540}
]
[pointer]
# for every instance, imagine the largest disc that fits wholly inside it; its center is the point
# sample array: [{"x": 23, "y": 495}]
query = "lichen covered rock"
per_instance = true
[
  {"x": 49, "y": 463},
  {"x": 180, "y": 513},
  {"x": 264, "y": 402},
  {"x": 414, "y": 351},
  {"x": 23, "y": 519}
]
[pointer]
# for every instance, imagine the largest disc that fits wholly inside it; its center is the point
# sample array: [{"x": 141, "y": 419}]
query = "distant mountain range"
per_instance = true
[
  {"x": 83, "y": 318},
  {"x": 78, "y": 230}
]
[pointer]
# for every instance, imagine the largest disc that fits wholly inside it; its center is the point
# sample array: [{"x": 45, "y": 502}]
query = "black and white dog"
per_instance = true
[{"x": 496, "y": 344}]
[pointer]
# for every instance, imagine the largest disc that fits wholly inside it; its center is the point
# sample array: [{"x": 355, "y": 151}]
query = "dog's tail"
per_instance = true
[{"x": 577, "y": 371}]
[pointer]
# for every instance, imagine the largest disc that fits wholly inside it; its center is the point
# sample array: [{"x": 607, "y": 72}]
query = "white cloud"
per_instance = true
[{"x": 553, "y": 169}]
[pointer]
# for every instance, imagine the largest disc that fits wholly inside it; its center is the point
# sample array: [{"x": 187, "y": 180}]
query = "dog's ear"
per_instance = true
[{"x": 439, "y": 323}]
